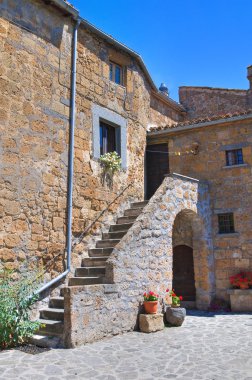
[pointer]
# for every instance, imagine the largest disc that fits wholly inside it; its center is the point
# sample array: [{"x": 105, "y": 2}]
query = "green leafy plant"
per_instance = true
[
  {"x": 111, "y": 162},
  {"x": 151, "y": 296},
  {"x": 175, "y": 299},
  {"x": 16, "y": 298}
]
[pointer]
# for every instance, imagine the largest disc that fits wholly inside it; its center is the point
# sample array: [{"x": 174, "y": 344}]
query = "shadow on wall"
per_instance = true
[{"x": 35, "y": 18}]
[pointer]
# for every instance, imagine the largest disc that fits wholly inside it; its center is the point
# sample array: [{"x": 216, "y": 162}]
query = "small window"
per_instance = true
[
  {"x": 234, "y": 157},
  {"x": 116, "y": 73},
  {"x": 109, "y": 138},
  {"x": 226, "y": 223}
]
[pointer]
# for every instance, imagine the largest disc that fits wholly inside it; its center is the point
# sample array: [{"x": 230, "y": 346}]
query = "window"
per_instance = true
[
  {"x": 115, "y": 73},
  {"x": 107, "y": 138},
  {"x": 234, "y": 157},
  {"x": 109, "y": 133},
  {"x": 226, "y": 223}
]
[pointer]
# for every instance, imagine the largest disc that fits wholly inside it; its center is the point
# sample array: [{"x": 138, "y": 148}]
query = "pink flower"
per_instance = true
[{"x": 167, "y": 290}]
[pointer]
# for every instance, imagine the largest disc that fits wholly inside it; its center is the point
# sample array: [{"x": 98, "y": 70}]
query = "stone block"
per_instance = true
[
  {"x": 241, "y": 300},
  {"x": 151, "y": 322},
  {"x": 175, "y": 315}
]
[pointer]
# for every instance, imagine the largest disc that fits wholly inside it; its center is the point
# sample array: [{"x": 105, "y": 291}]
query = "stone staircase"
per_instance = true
[{"x": 91, "y": 272}]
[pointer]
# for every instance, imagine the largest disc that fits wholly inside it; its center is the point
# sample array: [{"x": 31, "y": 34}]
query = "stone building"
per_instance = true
[{"x": 69, "y": 93}]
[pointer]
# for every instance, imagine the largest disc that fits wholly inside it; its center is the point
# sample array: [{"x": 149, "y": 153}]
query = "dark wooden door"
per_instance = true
[
  {"x": 183, "y": 272},
  {"x": 157, "y": 165}
]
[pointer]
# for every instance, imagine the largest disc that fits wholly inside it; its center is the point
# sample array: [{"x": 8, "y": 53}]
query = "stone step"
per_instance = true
[
  {"x": 139, "y": 204},
  {"x": 113, "y": 235},
  {"x": 120, "y": 227},
  {"x": 109, "y": 243},
  {"x": 94, "y": 261},
  {"x": 126, "y": 219},
  {"x": 52, "y": 314},
  {"x": 90, "y": 271},
  {"x": 79, "y": 281},
  {"x": 62, "y": 290},
  {"x": 56, "y": 302},
  {"x": 51, "y": 328},
  {"x": 46, "y": 341},
  {"x": 100, "y": 252},
  {"x": 133, "y": 211}
]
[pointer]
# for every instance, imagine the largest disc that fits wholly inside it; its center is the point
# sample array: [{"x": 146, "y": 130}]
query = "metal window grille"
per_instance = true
[
  {"x": 226, "y": 223},
  {"x": 234, "y": 157}
]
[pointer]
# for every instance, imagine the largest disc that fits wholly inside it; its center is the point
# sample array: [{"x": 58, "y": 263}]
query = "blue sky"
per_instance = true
[{"x": 182, "y": 42}]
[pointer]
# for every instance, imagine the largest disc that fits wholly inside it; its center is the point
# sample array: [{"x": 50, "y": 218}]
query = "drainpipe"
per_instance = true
[{"x": 70, "y": 163}]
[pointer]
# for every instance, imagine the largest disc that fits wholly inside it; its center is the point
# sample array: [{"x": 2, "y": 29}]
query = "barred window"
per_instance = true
[
  {"x": 234, "y": 157},
  {"x": 226, "y": 223}
]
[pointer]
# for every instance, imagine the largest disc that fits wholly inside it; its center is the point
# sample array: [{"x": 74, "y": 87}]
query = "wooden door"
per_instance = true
[
  {"x": 157, "y": 165},
  {"x": 183, "y": 272}
]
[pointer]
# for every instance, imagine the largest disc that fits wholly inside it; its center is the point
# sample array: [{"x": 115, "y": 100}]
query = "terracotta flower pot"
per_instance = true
[
  {"x": 151, "y": 307},
  {"x": 244, "y": 285}
]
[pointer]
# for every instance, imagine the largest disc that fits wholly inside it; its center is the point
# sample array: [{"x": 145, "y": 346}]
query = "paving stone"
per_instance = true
[{"x": 207, "y": 346}]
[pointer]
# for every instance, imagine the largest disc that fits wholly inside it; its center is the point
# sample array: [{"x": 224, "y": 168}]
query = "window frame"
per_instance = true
[
  {"x": 112, "y": 73},
  {"x": 114, "y": 119},
  {"x": 226, "y": 226},
  {"x": 234, "y": 157}
]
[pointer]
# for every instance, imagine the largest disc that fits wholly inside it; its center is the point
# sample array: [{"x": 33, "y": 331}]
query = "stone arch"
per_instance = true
[{"x": 189, "y": 228}]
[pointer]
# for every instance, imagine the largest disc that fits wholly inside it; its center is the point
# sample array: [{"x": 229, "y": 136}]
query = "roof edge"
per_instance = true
[
  {"x": 69, "y": 8},
  {"x": 75, "y": 13},
  {"x": 212, "y": 88},
  {"x": 172, "y": 103},
  {"x": 188, "y": 127},
  {"x": 121, "y": 46}
]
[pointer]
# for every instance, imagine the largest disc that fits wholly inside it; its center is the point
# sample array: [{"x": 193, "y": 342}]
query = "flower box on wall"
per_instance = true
[{"x": 241, "y": 300}]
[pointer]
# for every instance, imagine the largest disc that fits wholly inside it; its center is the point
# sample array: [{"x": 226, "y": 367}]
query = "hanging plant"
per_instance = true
[{"x": 111, "y": 162}]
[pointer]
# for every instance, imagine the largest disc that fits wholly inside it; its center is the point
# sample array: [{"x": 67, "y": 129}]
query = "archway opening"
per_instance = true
[{"x": 192, "y": 259}]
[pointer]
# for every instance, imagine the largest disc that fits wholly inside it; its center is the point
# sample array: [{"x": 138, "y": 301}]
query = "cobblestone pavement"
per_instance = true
[{"x": 208, "y": 346}]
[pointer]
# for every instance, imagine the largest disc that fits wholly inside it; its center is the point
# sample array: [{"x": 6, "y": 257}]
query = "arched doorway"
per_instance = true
[{"x": 183, "y": 272}]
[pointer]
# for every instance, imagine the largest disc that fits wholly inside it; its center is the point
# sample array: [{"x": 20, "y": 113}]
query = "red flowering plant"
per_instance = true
[
  {"x": 241, "y": 279},
  {"x": 151, "y": 296},
  {"x": 175, "y": 299}
]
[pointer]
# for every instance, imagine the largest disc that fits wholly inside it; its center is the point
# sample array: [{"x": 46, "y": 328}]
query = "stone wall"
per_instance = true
[
  {"x": 201, "y": 102},
  {"x": 161, "y": 114},
  {"x": 35, "y": 47},
  {"x": 230, "y": 190},
  {"x": 142, "y": 261},
  {"x": 35, "y": 51}
]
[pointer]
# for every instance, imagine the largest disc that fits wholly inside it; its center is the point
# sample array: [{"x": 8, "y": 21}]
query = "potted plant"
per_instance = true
[
  {"x": 175, "y": 315},
  {"x": 150, "y": 302},
  {"x": 241, "y": 280},
  {"x": 175, "y": 299}
]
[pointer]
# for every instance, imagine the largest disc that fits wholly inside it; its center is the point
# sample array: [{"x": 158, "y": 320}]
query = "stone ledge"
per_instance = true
[
  {"x": 243, "y": 292},
  {"x": 151, "y": 322}
]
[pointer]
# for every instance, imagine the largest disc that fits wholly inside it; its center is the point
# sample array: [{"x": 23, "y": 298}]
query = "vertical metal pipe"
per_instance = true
[
  {"x": 71, "y": 147},
  {"x": 70, "y": 163}
]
